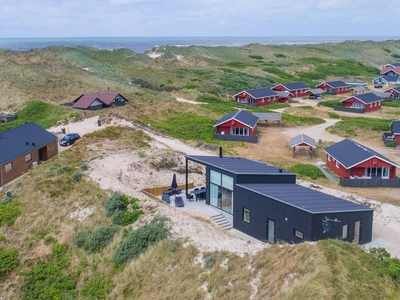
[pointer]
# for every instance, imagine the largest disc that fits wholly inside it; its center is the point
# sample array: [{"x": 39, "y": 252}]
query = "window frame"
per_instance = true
[
  {"x": 343, "y": 231},
  {"x": 28, "y": 157},
  {"x": 299, "y": 234},
  {"x": 245, "y": 219},
  {"x": 8, "y": 167}
]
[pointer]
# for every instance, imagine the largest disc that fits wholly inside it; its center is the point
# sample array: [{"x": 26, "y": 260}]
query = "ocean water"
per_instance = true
[{"x": 142, "y": 44}]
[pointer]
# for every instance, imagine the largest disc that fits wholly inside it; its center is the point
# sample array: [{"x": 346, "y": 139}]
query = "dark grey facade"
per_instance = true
[{"x": 269, "y": 206}]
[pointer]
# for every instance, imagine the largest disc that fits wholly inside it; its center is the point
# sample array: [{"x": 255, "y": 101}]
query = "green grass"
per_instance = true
[
  {"x": 240, "y": 64},
  {"x": 329, "y": 103},
  {"x": 307, "y": 170},
  {"x": 391, "y": 103},
  {"x": 43, "y": 114},
  {"x": 233, "y": 83},
  {"x": 348, "y": 126}
]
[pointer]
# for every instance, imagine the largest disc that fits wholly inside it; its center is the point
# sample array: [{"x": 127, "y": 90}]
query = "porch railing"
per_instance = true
[{"x": 370, "y": 182}]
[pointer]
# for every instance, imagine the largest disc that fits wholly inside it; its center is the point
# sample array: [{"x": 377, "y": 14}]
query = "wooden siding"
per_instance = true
[
  {"x": 337, "y": 91},
  {"x": 239, "y": 138},
  {"x": 370, "y": 182},
  {"x": 20, "y": 167},
  {"x": 340, "y": 170},
  {"x": 226, "y": 127},
  {"x": 368, "y": 107},
  {"x": 294, "y": 93},
  {"x": 256, "y": 101}
]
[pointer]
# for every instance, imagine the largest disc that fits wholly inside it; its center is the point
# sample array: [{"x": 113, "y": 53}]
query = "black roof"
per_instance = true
[
  {"x": 23, "y": 139},
  {"x": 390, "y": 78},
  {"x": 396, "y": 126},
  {"x": 304, "y": 198},
  {"x": 366, "y": 98},
  {"x": 335, "y": 84},
  {"x": 297, "y": 85},
  {"x": 259, "y": 93},
  {"x": 241, "y": 116},
  {"x": 238, "y": 165},
  {"x": 350, "y": 153}
]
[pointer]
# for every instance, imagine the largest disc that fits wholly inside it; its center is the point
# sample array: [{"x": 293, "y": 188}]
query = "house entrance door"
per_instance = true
[
  {"x": 270, "y": 231},
  {"x": 357, "y": 228}
]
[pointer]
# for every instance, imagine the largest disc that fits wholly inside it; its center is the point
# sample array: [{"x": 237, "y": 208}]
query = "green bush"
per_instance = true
[
  {"x": 63, "y": 169},
  {"x": 138, "y": 241},
  {"x": 97, "y": 286},
  {"x": 306, "y": 170},
  {"x": 81, "y": 238},
  {"x": 114, "y": 203},
  {"x": 385, "y": 264},
  {"x": 8, "y": 260},
  {"x": 209, "y": 261},
  {"x": 279, "y": 55},
  {"x": 50, "y": 174},
  {"x": 240, "y": 64},
  {"x": 333, "y": 115},
  {"x": 8, "y": 213},
  {"x": 77, "y": 176},
  {"x": 391, "y": 144},
  {"x": 100, "y": 238},
  {"x": 395, "y": 55},
  {"x": 46, "y": 280},
  {"x": 117, "y": 208},
  {"x": 256, "y": 57}
]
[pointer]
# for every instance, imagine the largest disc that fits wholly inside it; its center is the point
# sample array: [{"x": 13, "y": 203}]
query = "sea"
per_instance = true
[{"x": 142, "y": 44}]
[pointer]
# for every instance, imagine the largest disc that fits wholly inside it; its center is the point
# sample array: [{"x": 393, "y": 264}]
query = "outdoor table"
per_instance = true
[{"x": 200, "y": 194}]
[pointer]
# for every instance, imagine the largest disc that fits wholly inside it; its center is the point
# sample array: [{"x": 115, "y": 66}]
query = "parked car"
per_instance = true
[
  {"x": 378, "y": 85},
  {"x": 69, "y": 139},
  {"x": 283, "y": 100}
]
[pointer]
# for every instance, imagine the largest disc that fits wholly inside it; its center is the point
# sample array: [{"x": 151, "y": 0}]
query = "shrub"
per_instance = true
[
  {"x": 46, "y": 279},
  {"x": 395, "y": 55},
  {"x": 306, "y": 170},
  {"x": 256, "y": 57},
  {"x": 81, "y": 238},
  {"x": 126, "y": 217},
  {"x": 8, "y": 213},
  {"x": 77, "y": 176},
  {"x": 97, "y": 286},
  {"x": 209, "y": 262},
  {"x": 385, "y": 264},
  {"x": 333, "y": 115},
  {"x": 391, "y": 144},
  {"x": 49, "y": 240},
  {"x": 122, "y": 209},
  {"x": 100, "y": 238},
  {"x": 138, "y": 241},
  {"x": 114, "y": 203},
  {"x": 63, "y": 169},
  {"x": 8, "y": 260},
  {"x": 279, "y": 55},
  {"x": 50, "y": 174}
]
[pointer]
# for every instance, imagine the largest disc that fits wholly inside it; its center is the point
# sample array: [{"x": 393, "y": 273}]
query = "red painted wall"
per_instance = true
[
  {"x": 226, "y": 128},
  {"x": 341, "y": 90},
  {"x": 259, "y": 101},
  {"x": 300, "y": 93},
  {"x": 368, "y": 107},
  {"x": 397, "y": 139},
  {"x": 359, "y": 170}
]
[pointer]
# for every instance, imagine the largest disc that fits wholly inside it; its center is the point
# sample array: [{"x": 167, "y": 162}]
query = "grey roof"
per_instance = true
[
  {"x": 366, "y": 98},
  {"x": 382, "y": 95},
  {"x": 268, "y": 116},
  {"x": 335, "y": 84},
  {"x": 283, "y": 94},
  {"x": 13, "y": 142},
  {"x": 390, "y": 78},
  {"x": 350, "y": 153},
  {"x": 297, "y": 85},
  {"x": 317, "y": 91},
  {"x": 259, "y": 93},
  {"x": 302, "y": 138},
  {"x": 238, "y": 165},
  {"x": 304, "y": 198},
  {"x": 396, "y": 127},
  {"x": 358, "y": 88},
  {"x": 241, "y": 116}
]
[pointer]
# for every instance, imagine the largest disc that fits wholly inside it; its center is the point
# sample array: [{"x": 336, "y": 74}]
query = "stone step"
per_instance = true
[{"x": 221, "y": 221}]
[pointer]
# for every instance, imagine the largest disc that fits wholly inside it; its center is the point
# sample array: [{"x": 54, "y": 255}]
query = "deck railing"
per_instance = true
[
  {"x": 350, "y": 109},
  {"x": 239, "y": 138},
  {"x": 370, "y": 182}
]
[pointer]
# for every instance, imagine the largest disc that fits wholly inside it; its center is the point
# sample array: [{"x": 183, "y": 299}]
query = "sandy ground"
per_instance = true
[{"x": 129, "y": 173}]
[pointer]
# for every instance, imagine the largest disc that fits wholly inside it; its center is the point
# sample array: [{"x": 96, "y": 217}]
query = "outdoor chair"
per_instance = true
[
  {"x": 165, "y": 197},
  {"x": 189, "y": 197},
  {"x": 179, "y": 202}
]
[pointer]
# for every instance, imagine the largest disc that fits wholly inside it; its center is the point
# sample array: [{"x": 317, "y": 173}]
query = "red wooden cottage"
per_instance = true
[
  {"x": 237, "y": 126},
  {"x": 296, "y": 89},
  {"x": 394, "y": 92},
  {"x": 391, "y": 71},
  {"x": 351, "y": 160},
  {"x": 259, "y": 97},
  {"x": 363, "y": 102},
  {"x": 334, "y": 87}
]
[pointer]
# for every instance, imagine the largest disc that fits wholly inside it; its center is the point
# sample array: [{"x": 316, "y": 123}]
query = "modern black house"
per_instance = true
[{"x": 266, "y": 203}]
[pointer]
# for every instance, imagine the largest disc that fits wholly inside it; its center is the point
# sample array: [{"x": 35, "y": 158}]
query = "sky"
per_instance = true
[{"x": 131, "y": 18}]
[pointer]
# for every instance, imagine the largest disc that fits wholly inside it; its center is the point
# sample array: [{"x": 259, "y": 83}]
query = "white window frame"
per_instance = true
[
  {"x": 329, "y": 157},
  {"x": 337, "y": 164},
  {"x": 8, "y": 167},
  {"x": 345, "y": 231},
  {"x": 299, "y": 234},
  {"x": 28, "y": 157},
  {"x": 246, "y": 215}
]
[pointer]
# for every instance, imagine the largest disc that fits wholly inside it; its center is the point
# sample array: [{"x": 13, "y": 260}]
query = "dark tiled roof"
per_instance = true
[
  {"x": 390, "y": 78},
  {"x": 335, "y": 84},
  {"x": 297, "y": 85},
  {"x": 85, "y": 100},
  {"x": 396, "y": 126},
  {"x": 241, "y": 116},
  {"x": 366, "y": 98},
  {"x": 350, "y": 153},
  {"x": 304, "y": 198},
  {"x": 302, "y": 138},
  {"x": 259, "y": 93},
  {"x": 13, "y": 142},
  {"x": 237, "y": 165}
]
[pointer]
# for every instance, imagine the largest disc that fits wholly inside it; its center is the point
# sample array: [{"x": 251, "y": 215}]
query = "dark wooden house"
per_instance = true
[
  {"x": 237, "y": 126},
  {"x": 99, "y": 100},
  {"x": 266, "y": 203},
  {"x": 23, "y": 148},
  {"x": 296, "y": 89},
  {"x": 334, "y": 87},
  {"x": 358, "y": 165}
]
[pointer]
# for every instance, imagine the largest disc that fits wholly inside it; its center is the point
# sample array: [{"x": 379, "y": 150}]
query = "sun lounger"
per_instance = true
[
  {"x": 165, "y": 197},
  {"x": 179, "y": 202}
]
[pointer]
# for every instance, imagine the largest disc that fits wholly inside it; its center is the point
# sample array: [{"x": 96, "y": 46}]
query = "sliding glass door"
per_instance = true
[{"x": 221, "y": 191}]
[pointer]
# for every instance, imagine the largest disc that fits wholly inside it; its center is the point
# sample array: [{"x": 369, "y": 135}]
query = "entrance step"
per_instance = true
[{"x": 221, "y": 221}]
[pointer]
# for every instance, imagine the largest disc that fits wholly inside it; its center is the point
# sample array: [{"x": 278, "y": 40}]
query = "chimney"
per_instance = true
[
  {"x": 280, "y": 170},
  {"x": 220, "y": 151}
]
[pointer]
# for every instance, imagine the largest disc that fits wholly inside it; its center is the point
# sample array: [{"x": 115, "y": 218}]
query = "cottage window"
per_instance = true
[
  {"x": 377, "y": 172},
  {"x": 8, "y": 167},
  {"x": 345, "y": 231},
  {"x": 239, "y": 131},
  {"x": 299, "y": 234},
  {"x": 337, "y": 164},
  {"x": 329, "y": 157},
  {"x": 28, "y": 157},
  {"x": 221, "y": 191},
  {"x": 246, "y": 215}
]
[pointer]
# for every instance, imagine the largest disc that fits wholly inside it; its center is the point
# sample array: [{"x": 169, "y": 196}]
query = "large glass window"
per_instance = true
[
  {"x": 239, "y": 131},
  {"x": 221, "y": 191},
  {"x": 345, "y": 231},
  {"x": 377, "y": 172}
]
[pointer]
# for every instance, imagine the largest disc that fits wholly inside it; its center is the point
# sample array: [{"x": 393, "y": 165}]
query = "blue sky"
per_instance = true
[{"x": 84, "y": 18}]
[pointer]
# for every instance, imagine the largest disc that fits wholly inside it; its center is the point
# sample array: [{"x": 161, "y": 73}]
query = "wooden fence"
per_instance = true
[
  {"x": 158, "y": 191},
  {"x": 240, "y": 138},
  {"x": 349, "y": 109},
  {"x": 370, "y": 182}
]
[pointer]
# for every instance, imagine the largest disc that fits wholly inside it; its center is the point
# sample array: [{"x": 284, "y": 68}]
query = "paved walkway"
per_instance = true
[
  {"x": 319, "y": 164},
  {"x": 375, "y": 243}
]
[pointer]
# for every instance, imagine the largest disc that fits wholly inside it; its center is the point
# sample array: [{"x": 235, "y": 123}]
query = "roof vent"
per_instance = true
[
  {"x": 27, "y": 143},
  {"x": 33, "y": 144},
  {"x": 280, "y": 170}
]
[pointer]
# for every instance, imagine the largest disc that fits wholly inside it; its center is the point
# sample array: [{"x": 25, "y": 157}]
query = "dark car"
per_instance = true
[
  {"x": 69, "y": 139},
  {"x": 378, "y": 85}
]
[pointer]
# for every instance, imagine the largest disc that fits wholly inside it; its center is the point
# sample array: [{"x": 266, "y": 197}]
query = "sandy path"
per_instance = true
[{"x": 189, "y": 101}]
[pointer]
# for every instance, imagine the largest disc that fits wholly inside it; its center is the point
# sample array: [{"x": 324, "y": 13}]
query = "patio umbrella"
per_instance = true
[{"x": 174, "y": 185}]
